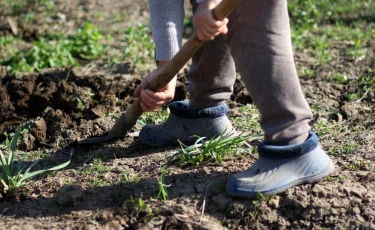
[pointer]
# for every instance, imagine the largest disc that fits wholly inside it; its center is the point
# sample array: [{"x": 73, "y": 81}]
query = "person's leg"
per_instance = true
[
  {"x": 211, "y": 75},
  {"x": 260, "y": 43},
  {"x": 259, "y": 37}
]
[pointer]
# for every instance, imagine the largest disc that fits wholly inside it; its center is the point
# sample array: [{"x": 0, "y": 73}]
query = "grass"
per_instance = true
[
  {"x": 326, "y": 128},
  {"x": 94, "y": 173},
  {"x": 139, "y": 47},
  {"x": 163, "y": 194},
  {"x": 248, "y": 119},
  {"x": 135, "y": 46},
  {"x": 213, "y": 150},
  {"x": 326, "y": 31},
  {"x": 57, "y": 50},
  {"x": 15, "y": 175},
  {"x": 96, "y": 167}
]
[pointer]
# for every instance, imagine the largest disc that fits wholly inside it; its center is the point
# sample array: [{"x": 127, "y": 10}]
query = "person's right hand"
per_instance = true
[
  {"x": 205, "y": 25},
  {"x": 152, "y": 100}
]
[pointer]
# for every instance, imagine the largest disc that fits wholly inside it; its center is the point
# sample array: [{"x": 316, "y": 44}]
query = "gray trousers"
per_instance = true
[{"x": 258, "y": 45}]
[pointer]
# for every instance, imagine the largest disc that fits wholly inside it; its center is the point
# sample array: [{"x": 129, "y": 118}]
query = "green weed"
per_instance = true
[
  {"x": 303, "y": 71},
  {"x": 154, "y": 117},
  {"x": 38, "y": 154},
  {"x": 141, "y": 206},
  {"x": 138, "y": 46},
  {"x": 97, "y": 182},
  {"x": 248, "y": 120},
  {"x": 196, "y": 196},
  {"x": 57, "y": 51},
  {"x": 345, "y": 148},
  {"x": 324, "y": 128},
  {"x": 361, "y": 165},
  {"x": 94, "y": 171},
  {"x": 138, "y": 207},
  {"x": 162, "y": 186},
  {"x": 96, "y": 167},
  {"x": 130, "y": 177},
  {"x": 308, "y": 13},
  {"x": 213, "y": 150},
  {"x": 339, "y": 77},
  {"x": 356, "y": 166},
  {"x": 14, "y": 176},
  {"x": 335, "y": 178}
]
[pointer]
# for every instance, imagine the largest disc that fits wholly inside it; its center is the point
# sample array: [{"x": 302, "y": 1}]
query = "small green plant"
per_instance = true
[
  {"x": 344, "y": 148},
  {"x": 356, "y": 166},
  {"x": 213, "y": 150},
  {"x": 97, "y": 182},
  {"x": 196, "y": 196},
  {"x": 324, "y": 128},
  {"x": 130, "y": 177},
  {"x": 96, "y": 167},
  {"x": 353, "y": 97},
  {"x": 38, "y": 154},
  {"x": 259, "y": 200},
  {"x": 139, "y": 207},
  {"x": 339, "y": 77},
  {"x": 154, "y": 117},
  {"x": 335, "y": 178},
  {"x": 14, "y": 176},
  {"x": 162, "y": 186}
]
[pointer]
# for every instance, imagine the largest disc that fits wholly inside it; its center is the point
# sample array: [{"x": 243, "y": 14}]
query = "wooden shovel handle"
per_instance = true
[
  {"x": 187, "y": 51},
  {"x": 167, "y": 73}
]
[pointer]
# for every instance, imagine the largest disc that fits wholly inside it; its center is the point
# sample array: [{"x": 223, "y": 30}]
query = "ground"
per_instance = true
[{"x": 115, "y": 185}]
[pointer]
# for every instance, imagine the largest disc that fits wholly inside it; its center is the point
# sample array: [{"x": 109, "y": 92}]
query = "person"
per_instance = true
[{"x": 255, "y": 39}]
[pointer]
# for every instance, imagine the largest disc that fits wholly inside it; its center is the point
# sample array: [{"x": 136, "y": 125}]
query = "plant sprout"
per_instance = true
[{"x": 14, "y": 176}]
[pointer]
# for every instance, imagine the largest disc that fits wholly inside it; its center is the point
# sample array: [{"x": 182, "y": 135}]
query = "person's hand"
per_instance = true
[
  {"x": 205, "y": 24},
  {"x": 152, "y": 100}
]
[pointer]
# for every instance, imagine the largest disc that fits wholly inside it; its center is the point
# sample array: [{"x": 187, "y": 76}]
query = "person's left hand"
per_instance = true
[
  {"x": 152, "y": 100},
  {"x": 206, "y": 27}
]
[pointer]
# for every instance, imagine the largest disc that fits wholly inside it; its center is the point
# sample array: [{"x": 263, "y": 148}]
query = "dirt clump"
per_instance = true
[{"x": 54, "y": 101}]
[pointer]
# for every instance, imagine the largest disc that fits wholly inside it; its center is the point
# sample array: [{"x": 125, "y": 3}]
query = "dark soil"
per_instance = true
[
  {"x": 61, "y": 106},
  {"x": 60, "y": 100}
]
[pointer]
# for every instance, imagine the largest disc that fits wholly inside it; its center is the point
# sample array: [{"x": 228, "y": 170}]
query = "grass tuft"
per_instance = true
[{"x": 213, "y": 150}]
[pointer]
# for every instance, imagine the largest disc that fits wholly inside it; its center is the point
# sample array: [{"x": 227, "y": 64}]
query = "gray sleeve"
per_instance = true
[{"x": 167, "y": 21}]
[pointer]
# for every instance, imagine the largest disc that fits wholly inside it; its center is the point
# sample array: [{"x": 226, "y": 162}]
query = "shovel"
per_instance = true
[{"x": 129, "y": 118}]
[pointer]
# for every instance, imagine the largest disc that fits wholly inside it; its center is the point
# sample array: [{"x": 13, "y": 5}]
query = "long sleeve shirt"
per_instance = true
[{"x": 167, "y": 21}]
